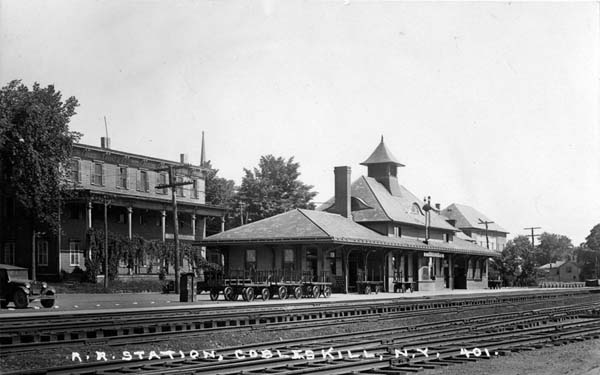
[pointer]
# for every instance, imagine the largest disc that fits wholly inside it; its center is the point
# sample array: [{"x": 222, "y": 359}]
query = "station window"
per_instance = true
[
  {"x": 142, "y": 182},
  {"x": 9, "y": 253},
  {"x": 74, "y": 171},
  {"x": 162, "y": 180},
  {"x": 74, "y": 252},
  {"x": 251, "y": 259},
  {"x": 97, "y": 174},
  {"x": 122, "y": 179},
  {"x": 42, "y": 253}
]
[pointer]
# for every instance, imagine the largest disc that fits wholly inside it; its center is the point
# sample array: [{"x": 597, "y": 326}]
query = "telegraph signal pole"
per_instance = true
[
  {"x": 533, "y": 235},
  {"x": 172, "y": 185},
  {"x": 487, "y": 239}
]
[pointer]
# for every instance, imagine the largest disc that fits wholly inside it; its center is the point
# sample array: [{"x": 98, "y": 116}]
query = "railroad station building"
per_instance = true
[
  {"x": 372, "y": 230},
  {"x": 127, "y": 183}
]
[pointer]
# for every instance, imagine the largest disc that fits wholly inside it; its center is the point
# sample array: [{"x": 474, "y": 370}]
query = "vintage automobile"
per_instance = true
[{"x": 16, "y": 287}]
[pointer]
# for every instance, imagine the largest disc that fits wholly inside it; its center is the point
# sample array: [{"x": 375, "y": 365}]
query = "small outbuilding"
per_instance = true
[{"x": 562, "y": 271}]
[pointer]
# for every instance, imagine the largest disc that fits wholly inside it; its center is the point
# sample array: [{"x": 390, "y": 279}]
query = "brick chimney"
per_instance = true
[
  {"x": 105, "y": 142},
  {"x": 183, "y": 158},
  {"x": 342, "y": 191}
]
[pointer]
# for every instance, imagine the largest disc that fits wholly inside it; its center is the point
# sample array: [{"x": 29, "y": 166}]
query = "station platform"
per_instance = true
[{"x": 94, "y": 302}]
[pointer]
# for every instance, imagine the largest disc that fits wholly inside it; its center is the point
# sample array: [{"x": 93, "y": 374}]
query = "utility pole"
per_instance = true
[
  {"x": 533, "y": 235},
  {"x": 172, "y": 185},
  {"x": 487, "y": 239},
  {"x": 427, "y": 208},
  {"x": 106, "y": 202}
]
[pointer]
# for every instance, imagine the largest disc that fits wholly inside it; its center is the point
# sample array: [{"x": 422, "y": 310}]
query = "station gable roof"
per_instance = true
[
  {"x": 308, "y": 226},
  {"x": 403, "y": 207},
  {"x": 468, "y": 217}
]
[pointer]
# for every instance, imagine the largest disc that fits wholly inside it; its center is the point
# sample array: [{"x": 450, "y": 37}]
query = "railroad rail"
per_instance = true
[
  {"x": 31, "y": 331},
  {"x": 392, "y": 350}
]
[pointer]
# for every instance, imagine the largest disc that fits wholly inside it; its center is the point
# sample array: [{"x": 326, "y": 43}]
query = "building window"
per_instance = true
[
  {"x": 142, "y": 182},
  {"x": 74, "y": 212},
  {"x": 9, "y": 208},
  {"x": 121, "y": 218},
  {"x": 251, "y": 260},
  {"x": 9, "y": 253},
  {"x": 179, "y": 189},
  {"x": 397, "y": 231},
  {"x": 74, "y": 253},
  {"x": 162, "y": 180},
  {"x": 42, "y": 253},
  {"x": 446, "y": 237},
  {"x": 122, "y": 179},
  {"x": 74, "y": 171},
  {"x": 195, "y": 189},
  {"x": 97, "y": 174}
]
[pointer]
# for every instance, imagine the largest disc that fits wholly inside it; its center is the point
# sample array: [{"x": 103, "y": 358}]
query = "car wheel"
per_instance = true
[
  {"x": 48, "y": 302},
  {"x": 266, "y": 294},
  {"x": 282, "y": 292},
  {"x": 20, "y": 299},
  {"x": 228, "y": 293}
]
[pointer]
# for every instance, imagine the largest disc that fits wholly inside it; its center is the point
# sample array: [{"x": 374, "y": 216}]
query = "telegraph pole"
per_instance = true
[
  {"x": 106, "y": 242},
  {"x": 487, "y": 239},
  {"x": 172, "y": 185},
  {"x": 533, "y": 235}
]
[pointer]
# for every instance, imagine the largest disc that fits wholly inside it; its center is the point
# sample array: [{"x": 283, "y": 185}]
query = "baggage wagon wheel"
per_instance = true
[
  {"x": 368, "y": 289},
  {"x": 265, "y": 293},
  {"x": 377, "y": 289},
  {"x": 228, "y": 293},
  {"x": 297, "y": 292},
  {"x": 282, "y": 292},
  {"x": 214, "y": 294},
  {"x": 327, "y": 292},
  {"x": 249, "y": 294},
  {"x": 316, "y": 291},
  {"x": 244, "y": 295}
]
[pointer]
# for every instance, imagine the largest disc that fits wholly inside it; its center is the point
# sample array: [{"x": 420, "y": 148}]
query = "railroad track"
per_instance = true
[
  {"x": 394, "y": 350},
  {"x": 36, "y": 332}
]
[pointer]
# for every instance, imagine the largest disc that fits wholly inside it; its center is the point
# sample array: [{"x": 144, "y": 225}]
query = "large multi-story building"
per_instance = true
[{"x": 129, "y": 185}]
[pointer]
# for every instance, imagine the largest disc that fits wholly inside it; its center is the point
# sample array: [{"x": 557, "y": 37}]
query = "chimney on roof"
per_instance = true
[
  {"x": 183, "y": 158},
  {"x": 105, "y": 142},
  {"x": 342, "y": 191},
  {"x": 437, "y": 206}
]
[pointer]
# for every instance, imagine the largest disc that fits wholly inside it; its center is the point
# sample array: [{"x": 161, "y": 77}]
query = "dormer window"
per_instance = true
[{"x": 416, "y": 209}]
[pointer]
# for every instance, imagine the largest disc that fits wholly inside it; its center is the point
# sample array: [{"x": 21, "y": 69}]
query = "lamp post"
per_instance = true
[{"x": 427, "y": 208}]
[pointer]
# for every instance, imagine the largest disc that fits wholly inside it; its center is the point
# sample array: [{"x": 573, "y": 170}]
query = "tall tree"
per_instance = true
[
  {"x": 553, "y": 247},
  {"x": 272, "y": 188},
  {"x": 219, "y": 192},
  {"x": 593, "y": 239},
  {"x": 516, "y": 265},
  {"x": 36, "y": 144}
]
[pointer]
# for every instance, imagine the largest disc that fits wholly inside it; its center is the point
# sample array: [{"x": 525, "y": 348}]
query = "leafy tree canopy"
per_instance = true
[
  {"x": 35, "y": 145},
  {"x": 219, "y": 192},
  {"x": 517, "y": 262},
  {"x": 593, "y": 239},
  {"x": 273, "y": 188},
  {"x": 552, "y": 248}
]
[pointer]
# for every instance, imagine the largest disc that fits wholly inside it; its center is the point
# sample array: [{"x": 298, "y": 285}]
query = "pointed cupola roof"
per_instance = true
[{"x": 382, "y": 155}]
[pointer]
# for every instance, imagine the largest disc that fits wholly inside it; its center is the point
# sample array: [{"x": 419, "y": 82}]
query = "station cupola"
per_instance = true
[{"x": 383, "y": 166}]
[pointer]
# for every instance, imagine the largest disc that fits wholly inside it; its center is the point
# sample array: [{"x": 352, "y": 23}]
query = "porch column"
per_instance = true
[
  {"x": 222, "y": 223},
  {"x": 89, "y": 214},
  {"x": 163, "y": 223},
  {"x": 450, "y": 271},
  {"x": 194, "y": 226},
  {"x": 129, "y": 224},
  {"x": 346, "y": 255},
  {"x": 409, "y": 259}
]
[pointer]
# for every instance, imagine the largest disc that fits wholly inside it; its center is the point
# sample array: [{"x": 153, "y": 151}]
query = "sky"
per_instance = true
[{"x": 494, "y": 105}]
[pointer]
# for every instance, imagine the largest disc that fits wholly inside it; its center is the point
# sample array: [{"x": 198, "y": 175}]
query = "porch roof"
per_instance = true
[{"x": 307, "y": 226}]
